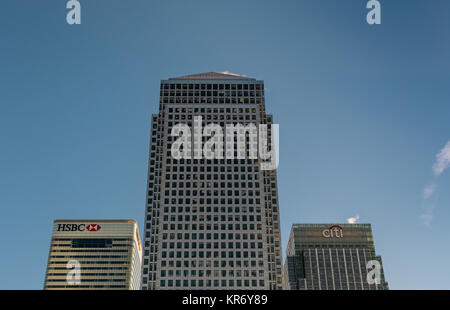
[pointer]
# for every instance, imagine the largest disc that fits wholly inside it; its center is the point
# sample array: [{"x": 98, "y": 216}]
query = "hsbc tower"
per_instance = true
[{"x": 94, "y": 254}]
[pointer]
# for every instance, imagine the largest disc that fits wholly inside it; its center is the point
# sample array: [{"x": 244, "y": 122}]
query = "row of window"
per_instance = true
[
  {"x": 106, "y": 274},
  {"x": 212, "y": 168},
  {"x": 201, "y": 227},
  {"x": 86, "y": 262},
  {"x": 209, "y": 218},
  {"x": 213, "y": 86},
  {"x": 211, "y": 100},
  {"x": 229, "y": 177},
  {"x": 211, "y": 93},
  {"x": 209, "y": 210},
  {"x": 215, "y": 236},
  {"x": 212, "y": 283},
  {"x": 202, "y": 175},
  {"x": 204, "y": 161},
  {"x": 201, "y": 263},
  {"x": 205, "y": 111},
  {"x": 209, "y": 273},
  {"x": 212, "y": 245},
  {"x": 91, "y": 268},
  {"x": 335, "y": 246},
  {"x": 212, "y": 254},
  {"x": 208, "y": 201},
  {"x": 223, "y": 185}
]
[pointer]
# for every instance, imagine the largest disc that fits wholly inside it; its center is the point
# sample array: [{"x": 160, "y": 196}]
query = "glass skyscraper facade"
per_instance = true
[
  {"x": 210, "y": 223},
  {"x": 332, "y": 257}
]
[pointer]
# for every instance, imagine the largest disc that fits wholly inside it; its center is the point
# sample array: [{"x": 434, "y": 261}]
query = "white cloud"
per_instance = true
[
  {"x": 428, "y": 191},
  {"x": 427, "y": 215},
  {"x": 442, "y": 163},
  {"x": 442, "y": 160},
  {"x": 426, "y": 218},
  {"x": 353, "y": 220}
]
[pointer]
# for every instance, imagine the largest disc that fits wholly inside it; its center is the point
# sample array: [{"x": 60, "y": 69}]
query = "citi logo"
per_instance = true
[
  {"x": 78, "y": 227},
  {"x": 334, "y": 231}
]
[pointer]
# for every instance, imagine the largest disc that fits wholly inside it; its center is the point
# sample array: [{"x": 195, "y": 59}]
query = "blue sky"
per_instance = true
[{"x": 363, "y": 111}]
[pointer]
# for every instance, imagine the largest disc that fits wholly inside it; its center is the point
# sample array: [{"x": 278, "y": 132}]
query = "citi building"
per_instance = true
[
  {"x": 94, "y": 254},
  {"x": 332, "y": 257}
]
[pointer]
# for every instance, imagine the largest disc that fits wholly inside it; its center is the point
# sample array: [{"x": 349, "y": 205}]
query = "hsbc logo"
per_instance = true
[
  {"x": 78, "y": 227},
  {"x": 93, "y": 227},
  {"x": 334, "y": 231}
]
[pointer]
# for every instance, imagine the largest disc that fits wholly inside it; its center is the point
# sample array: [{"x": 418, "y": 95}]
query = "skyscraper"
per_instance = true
[
  {"x": 94, "y": 254},
  {"x": 332, "y": 257},
  {"x": 210, "y": 223}
]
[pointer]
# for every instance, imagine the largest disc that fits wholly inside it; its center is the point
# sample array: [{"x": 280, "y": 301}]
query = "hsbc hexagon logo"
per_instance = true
[{"x": 93, "y": 227}]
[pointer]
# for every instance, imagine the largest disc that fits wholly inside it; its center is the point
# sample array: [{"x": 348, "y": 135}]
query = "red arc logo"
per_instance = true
[{"x": 335, "y": 226}]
